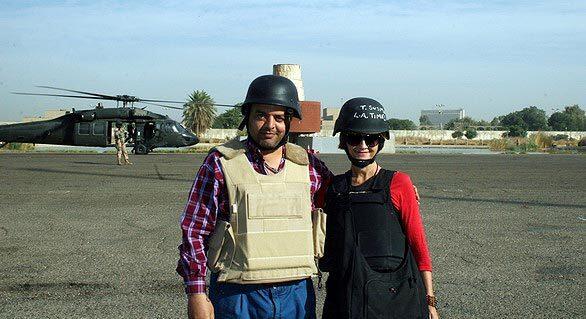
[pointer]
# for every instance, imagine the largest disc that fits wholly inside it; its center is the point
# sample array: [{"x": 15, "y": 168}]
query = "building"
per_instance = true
[
  {"x": 329, "y": 117},
  {"x": 438, "y": 118}
]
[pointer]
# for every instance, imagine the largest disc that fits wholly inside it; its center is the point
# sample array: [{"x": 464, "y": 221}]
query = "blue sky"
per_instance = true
[{"x": 488, "y": 57}]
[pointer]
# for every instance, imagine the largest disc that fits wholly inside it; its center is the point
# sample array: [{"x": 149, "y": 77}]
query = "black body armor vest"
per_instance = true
[{"x": 372, "y": 272}]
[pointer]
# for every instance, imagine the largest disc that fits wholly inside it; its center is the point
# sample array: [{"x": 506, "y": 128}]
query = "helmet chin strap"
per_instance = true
[
  {"x": 363, "y": 163},
  {"x": 360, "y": 163}
]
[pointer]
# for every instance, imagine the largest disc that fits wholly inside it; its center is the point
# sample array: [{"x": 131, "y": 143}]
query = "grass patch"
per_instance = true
[
  {"x": 514, "y": 145},
  {"x": 21, "y": 147}
]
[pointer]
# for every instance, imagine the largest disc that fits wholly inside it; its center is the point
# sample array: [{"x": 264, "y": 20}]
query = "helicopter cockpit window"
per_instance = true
[
  {"x": 175, "y": 129},
  {"x": 181, "y": 128},
  {"x": 84, "y": 128},
  {"x": 99, "y": 128}
]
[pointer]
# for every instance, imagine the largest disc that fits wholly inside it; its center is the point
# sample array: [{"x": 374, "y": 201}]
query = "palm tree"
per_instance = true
[{"x": 199, "y": 112}]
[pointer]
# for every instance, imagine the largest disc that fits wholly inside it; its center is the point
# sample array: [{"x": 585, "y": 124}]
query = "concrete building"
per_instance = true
[
  {"x": 329, "y": 117},
  {"x": 439, "y": 117}
]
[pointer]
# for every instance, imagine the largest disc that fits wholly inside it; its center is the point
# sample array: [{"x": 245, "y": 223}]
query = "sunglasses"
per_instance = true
[{"x": 371, "y": 140}]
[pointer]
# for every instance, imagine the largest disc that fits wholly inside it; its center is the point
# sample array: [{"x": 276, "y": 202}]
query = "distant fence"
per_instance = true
[{"x": 434, "y": 135}]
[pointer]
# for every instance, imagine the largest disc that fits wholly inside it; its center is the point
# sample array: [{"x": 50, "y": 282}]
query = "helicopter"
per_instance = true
[{"x": 95, "y": 127}]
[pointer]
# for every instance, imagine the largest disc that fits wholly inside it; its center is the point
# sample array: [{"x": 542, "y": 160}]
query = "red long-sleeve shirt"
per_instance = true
[{"x": 404, "y": 200}]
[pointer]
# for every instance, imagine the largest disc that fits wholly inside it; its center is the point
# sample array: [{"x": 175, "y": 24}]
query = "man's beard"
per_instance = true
[{"x": 270, "y": 144}]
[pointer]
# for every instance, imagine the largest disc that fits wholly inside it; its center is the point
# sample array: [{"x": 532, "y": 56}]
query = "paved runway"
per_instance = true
[{"x": 81, "y": 237}]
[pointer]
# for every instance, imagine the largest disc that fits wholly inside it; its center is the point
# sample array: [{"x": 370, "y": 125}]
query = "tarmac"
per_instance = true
[{"x": 81, "y": 237}]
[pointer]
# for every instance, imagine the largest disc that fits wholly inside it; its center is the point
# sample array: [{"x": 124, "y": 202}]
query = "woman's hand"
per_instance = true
[{"x": 433, "y": 313}]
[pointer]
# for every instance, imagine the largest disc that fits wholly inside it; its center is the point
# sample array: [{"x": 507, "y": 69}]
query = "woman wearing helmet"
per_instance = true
[{"x": 375, "y": 250}]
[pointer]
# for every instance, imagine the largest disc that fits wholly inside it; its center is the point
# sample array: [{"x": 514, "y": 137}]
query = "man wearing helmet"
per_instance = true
[
  {"x": 375, "y": 251},
  {"x": 120, "y": 135},
  {"x": 248, "y": 218}
]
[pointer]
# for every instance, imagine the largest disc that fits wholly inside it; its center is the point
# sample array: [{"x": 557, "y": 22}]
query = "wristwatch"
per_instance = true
[{"x": 431, "y": 301}]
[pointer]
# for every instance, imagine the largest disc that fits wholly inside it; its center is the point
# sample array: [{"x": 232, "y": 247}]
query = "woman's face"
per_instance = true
[{"x": 362, "y": 147}]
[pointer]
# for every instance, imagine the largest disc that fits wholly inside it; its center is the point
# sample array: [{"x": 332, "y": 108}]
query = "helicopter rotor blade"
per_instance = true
[
  {"x": 161, "y": 105},
  {"x": 63, "y": 95},
  {"x": 227, "y": 105},
  {"x": 118, "y": 98},
  {"x": 216, "y": 104},
  {"x": 180, "y": 108},
  {"x": 162, "y": 101},
  {"x": 74, "y": 91}
]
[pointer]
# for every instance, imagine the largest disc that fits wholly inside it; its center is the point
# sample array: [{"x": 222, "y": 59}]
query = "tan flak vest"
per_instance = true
[{"x": 269, "y": 237}]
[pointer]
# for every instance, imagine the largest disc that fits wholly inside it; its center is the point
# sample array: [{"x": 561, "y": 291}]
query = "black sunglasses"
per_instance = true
[{"x": 371, "y": 140}]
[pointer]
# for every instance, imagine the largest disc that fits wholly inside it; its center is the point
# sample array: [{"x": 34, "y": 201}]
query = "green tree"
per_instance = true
[
  {"x": 471, "y": 133},
  {"x": 530, "y": 118},
  {"x": 229, "y": 119},
  {"x": 461, "y": 124},
  {"x": 457, "y": 134},
  {"x": 516, "y": 131},
  {"x": 424, "y": 120},
  {"x": 571, "y": 119},
  {"x": 400, "y": 124},
  {"x": 483, "y": 123},
  {"x": 577, "y": 118},
  {"x": 496, "y": 121},
  {"x": 451, "y": 125},
  {"x": 199, "y": 112},
  {"x": 535, "y": 118},
  {"x": 513, "y": 119},
  {"x": 559, "y": 121}
]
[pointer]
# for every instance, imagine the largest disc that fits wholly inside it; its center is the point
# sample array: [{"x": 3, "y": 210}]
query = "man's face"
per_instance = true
[{"x": 267, "y": 124}]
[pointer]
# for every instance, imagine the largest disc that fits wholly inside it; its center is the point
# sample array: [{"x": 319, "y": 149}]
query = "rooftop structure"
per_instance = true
[
  {"x": 329, "y": 117},
  {"x": 439, "y": 117}
]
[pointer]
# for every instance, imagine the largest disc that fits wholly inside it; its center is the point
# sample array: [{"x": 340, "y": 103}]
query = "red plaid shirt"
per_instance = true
[{"x": 208, "y": 200}]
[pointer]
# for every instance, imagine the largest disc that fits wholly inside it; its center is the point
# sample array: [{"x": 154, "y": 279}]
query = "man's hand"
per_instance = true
[{"x": 199, "y": 306}]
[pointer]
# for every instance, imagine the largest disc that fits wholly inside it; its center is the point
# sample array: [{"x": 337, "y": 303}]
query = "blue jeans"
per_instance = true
[{"x": 288, "y": 300}]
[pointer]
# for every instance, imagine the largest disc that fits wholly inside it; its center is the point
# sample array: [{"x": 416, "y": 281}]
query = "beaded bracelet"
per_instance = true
[{"x": 431, "y": 301}]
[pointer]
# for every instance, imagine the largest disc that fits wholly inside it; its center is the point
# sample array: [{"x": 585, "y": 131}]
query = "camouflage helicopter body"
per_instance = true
[{"x": 147, "y": 130}]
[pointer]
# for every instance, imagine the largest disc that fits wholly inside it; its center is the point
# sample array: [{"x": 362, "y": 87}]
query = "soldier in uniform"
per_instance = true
[
  {"x": 249, "y": 217},
  {"x": 120, "y": 135}
]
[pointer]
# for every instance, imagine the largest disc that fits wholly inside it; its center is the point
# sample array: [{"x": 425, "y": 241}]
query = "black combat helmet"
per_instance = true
[
  {"x": 362, "y": 115},
  {"x": 118, "y": 123},
  {"x": 272, "y": 90}
]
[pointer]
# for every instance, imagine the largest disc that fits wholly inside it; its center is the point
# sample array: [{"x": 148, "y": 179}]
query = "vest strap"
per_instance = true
[{"x": 231, "y": 149}]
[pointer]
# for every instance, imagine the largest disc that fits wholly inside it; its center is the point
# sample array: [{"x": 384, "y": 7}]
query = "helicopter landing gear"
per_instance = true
[{"x": 141, "y": 149}]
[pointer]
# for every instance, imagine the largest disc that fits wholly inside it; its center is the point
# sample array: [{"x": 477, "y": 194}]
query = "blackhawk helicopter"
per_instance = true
[{"x": 147, "y": 130}]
